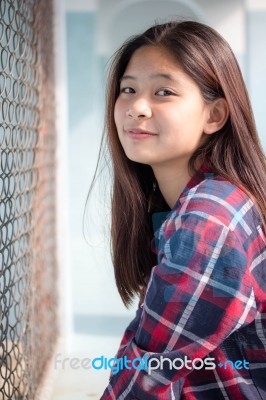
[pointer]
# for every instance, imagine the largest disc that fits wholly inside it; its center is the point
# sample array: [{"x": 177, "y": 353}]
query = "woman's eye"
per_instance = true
[
  {"x": 165, "y": 92},
  {"x": 127, "y": 90}
]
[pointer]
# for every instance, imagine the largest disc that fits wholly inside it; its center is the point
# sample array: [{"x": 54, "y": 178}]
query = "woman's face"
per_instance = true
[{"x": 160, "y": 113}]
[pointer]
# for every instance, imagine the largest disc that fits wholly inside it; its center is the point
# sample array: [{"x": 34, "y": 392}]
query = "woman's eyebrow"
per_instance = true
[
  {"x": 164, "y": 75},
  {"x": 169, "y": 77},
  {"x": 124, "y": 77}
]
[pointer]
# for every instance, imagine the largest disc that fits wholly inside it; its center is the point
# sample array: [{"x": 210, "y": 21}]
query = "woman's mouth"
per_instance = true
[{"x": 139, "y": 133}]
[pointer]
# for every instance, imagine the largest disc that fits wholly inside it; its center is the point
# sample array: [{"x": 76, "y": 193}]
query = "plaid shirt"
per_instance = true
[{"x": 206, "y": 299}]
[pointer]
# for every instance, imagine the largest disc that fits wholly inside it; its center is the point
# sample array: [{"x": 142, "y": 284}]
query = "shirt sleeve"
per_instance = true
[{"x": 199, "y": 293}]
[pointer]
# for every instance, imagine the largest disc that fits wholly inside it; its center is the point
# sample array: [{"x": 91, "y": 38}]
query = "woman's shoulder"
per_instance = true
[
  {"x": 218, "y": 190},
  {"x": 221, "y": 199}
]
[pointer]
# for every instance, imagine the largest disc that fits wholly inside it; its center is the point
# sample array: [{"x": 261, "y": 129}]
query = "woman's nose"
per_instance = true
[{"x": 138, "y": 111}]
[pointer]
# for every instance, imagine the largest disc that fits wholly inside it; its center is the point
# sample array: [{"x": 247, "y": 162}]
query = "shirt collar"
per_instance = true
[{"x": 204, "y": 172}]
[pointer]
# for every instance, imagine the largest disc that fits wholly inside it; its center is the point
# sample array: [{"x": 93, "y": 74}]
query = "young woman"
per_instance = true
[{"x": 188, "y": 219}]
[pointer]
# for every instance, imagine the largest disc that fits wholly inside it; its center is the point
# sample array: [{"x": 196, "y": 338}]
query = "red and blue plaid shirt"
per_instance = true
[{"x": 206, "y": 300}]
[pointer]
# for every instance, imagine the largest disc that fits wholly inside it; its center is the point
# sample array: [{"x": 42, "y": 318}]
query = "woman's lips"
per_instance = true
[{"x": 139, "y": 133}]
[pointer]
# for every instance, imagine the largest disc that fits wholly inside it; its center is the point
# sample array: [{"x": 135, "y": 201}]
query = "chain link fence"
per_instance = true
[{"x": 28, "y": 270}]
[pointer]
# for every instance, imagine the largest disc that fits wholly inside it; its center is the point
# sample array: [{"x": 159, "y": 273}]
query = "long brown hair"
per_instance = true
[{"x": 234, "y": 152}]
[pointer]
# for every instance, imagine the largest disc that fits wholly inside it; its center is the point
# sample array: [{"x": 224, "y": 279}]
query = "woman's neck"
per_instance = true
[{"x": 172, "y": 179}]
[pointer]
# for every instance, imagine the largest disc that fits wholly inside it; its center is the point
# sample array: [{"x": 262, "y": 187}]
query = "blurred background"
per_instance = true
[{"x": 91, "y": 30}]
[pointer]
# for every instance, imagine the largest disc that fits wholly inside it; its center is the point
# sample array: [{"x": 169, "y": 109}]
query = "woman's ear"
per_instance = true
[{"x": 218, "y": 115}]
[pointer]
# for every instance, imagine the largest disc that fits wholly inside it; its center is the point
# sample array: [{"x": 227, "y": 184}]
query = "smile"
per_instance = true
[{"x": 139, "y": 133}]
